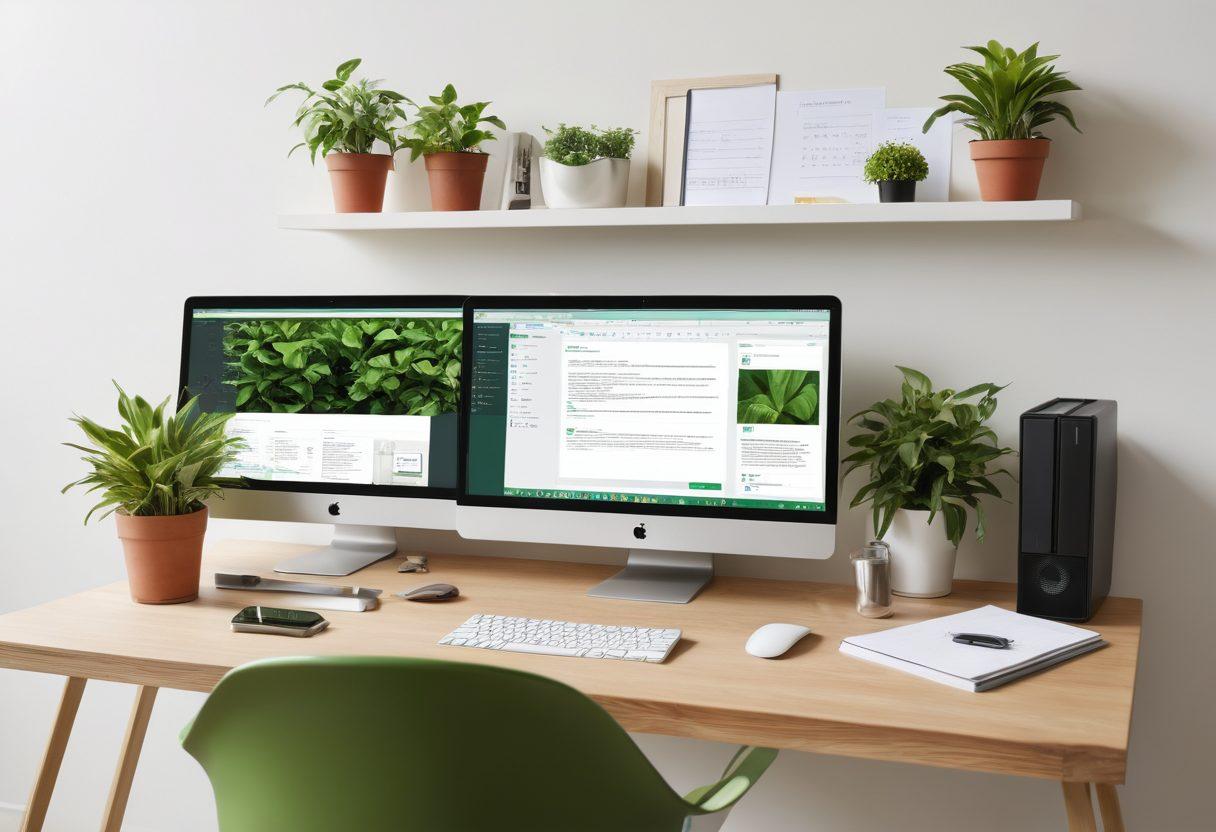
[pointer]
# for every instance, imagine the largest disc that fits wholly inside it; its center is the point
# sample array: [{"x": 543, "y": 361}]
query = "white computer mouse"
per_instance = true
[{"x": 772, "y": 640}]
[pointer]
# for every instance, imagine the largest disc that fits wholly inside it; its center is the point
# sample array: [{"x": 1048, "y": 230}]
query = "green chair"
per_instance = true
[{"x": 379, "y": 743}]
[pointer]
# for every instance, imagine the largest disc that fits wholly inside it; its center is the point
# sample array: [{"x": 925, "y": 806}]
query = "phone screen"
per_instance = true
[{"x": 277, "y": 617}]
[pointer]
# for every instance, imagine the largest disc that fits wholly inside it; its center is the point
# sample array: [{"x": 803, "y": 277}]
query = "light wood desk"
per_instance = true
[{"x": 1069, "y": 724}]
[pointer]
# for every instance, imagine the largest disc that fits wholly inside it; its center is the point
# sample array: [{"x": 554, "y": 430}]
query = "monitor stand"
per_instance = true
[
  {"x": 667, "y": 577},
  {"x": 353, "y": 548}
]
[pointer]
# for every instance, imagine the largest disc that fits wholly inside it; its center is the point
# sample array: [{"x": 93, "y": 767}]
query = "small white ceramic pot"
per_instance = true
[
  {"x": 922, "y": 557},
  {"x": 600, "y": 184}
]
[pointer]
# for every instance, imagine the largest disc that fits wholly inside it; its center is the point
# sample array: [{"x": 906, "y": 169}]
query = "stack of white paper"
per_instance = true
[{"x": 927, "y": 648}]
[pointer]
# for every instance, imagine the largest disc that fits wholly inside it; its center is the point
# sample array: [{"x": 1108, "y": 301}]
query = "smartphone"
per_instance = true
[{"x": 278, "y": 621}]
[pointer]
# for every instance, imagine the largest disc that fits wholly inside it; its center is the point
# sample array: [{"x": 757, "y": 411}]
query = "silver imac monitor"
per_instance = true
[
  {"x": 675, "y": 427},
  {"x": 348, "y": 406}
]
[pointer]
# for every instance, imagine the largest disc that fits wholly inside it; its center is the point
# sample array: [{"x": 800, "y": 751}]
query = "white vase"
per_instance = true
[
  {"x": 600, "y": 184},
  {"x": 922, "y": 557}
]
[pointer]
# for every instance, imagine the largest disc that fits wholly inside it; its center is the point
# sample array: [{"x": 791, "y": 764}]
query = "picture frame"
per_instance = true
[{"x": 665, "y": 147}]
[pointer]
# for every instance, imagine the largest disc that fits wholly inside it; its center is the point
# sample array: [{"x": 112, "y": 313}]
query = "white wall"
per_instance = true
[{"x": 137, "y": 166}]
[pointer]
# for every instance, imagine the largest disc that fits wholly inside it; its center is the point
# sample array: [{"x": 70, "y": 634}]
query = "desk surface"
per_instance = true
[{"x": 1070, "y": 723}]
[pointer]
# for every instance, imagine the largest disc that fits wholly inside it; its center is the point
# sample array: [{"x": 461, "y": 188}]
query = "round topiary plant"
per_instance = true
[{"x": 896, "y": 162}]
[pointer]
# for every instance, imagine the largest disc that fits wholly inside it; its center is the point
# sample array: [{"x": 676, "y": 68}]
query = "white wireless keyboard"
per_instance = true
[{"x": 563, "y": 638}]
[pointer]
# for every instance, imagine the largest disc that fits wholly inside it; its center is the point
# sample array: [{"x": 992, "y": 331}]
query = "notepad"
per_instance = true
[{"x": 926, "y": 649}]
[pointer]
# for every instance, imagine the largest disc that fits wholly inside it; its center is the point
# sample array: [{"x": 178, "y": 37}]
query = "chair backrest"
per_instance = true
[{"x": 379, "y": 743}]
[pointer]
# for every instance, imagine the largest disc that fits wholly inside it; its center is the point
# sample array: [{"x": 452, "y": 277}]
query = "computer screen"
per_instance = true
[
  {"x": 332, "y": 395},
  {"x": 673, "y": 406}
]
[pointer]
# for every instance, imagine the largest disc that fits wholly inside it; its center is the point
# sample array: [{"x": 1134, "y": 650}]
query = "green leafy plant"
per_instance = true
[
  {"x": 616, "y": 142},
  {"x": 928, "y": 451},
  {"x": 153, "y": 464},
  {"x": 346, "y": 116},
  {"x": 1010, "y": 94},
  {"x": 397, "y": 366},
  {"x": 782, "y": 397},
  {"x": 896, "y": 161},
  {"x": 444, "y": 126},
  {"x": 576, "y": 146}
]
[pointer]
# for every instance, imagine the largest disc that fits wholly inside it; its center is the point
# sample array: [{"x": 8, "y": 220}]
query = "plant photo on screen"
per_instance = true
[
  {"x": 397, "y": 366},
  {"x": 778, "y": 397}
]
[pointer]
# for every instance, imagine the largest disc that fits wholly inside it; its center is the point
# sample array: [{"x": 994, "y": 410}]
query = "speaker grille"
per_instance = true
[
  {"x": 1052, "y": 579},
  {"x": 1053, "y": 586}
]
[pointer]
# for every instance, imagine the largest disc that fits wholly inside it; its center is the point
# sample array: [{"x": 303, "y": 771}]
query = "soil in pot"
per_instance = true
[
  {"x": 358, "y": 181},
  {"x": 163, "y": 555},
  {"x": 897, "y": 190},
  {"x": 455, "y": 180},
  {"x": 1009, "y": 169}
]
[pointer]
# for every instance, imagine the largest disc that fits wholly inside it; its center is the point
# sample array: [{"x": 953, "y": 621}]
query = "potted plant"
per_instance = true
[
  {"x": 896, "y": 167},
  {"x": 586, "y": 168},
  {"x": 343, "y": 121},
  {"x": 929, "y": 456},
  {"x": 1011, "y": 97},
  {"x": 154, "y": 474},
  {"x": 448, "y": 137}
]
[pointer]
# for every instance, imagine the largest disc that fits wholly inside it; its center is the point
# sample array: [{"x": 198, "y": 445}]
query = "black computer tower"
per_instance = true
[{"x": 1067, "y": 526}]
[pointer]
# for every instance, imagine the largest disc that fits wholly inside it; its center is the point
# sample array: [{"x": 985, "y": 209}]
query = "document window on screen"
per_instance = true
[
  {"x": 721, "y": 408},
  {"x": 364, "y": 397}
]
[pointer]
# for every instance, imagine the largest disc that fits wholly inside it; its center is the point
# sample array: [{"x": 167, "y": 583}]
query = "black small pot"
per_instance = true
[{"x": 897, "y": 190}]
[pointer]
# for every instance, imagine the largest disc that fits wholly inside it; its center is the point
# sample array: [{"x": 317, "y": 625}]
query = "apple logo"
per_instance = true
[
  {"x": 334, "y": 509},
  {"x": 639, "y": 531}
]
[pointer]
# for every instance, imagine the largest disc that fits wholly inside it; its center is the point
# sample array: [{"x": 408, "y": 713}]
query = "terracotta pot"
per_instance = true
[
  {"x": 456, "y": 180},
  {"x": 164, "y": 555},
  {"x": 1009, "y": 169},
  {"x": 358, "y": 181}
]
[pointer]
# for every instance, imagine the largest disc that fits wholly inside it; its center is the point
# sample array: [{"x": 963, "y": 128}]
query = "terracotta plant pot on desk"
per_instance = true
[
  {"x": 358, "y": 181},
  {"x": 163, "y": 555},
  {"x": 455, "y": 180},
  {"x": 1009, "y": 169}
]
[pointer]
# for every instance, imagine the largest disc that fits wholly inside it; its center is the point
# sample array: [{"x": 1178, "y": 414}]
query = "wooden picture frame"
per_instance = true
[{"x": 665, "y": 148}]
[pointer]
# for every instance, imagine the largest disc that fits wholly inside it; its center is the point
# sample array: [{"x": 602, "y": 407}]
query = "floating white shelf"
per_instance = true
[{"x": 1045, "y": 210}]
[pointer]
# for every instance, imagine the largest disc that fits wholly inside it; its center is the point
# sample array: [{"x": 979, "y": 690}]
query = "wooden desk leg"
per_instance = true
[
  {"x": 1080, "y": 807},
  {"x": 1108, "y": 804},
  {"x": 132, "y": 744},
  {"x": 48, "y": 772}
]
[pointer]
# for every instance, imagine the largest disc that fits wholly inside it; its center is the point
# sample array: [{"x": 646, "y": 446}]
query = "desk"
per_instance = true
[{"x": 1070, "y": 724}]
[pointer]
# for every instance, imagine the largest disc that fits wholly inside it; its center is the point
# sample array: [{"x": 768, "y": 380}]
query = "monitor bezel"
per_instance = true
[
  {"x": 675, "y": 302},
  {"x": 322, "y": 303}
]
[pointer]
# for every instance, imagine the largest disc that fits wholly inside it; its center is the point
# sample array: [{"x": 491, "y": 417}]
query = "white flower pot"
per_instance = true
[
  {"x": 922, "y": 557},
  {"x": 600, "y": 184}
]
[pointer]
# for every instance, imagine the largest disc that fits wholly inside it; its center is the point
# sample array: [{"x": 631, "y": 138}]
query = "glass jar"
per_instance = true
[{"x": 872, "y": 572}]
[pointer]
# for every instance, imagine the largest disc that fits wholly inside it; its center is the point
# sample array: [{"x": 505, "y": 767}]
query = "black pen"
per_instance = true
[{"x": 981, "y": 640}]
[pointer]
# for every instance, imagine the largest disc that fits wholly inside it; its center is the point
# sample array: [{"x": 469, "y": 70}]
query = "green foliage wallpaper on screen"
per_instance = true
[
  {"x": 396, "y": 366},
  {"x": 782, "y": 397}
]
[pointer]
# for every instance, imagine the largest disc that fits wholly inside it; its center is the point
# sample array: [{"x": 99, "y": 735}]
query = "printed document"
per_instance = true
[
  {"x": 730, "y": 145},
  {"x": 821, "y": 143}
]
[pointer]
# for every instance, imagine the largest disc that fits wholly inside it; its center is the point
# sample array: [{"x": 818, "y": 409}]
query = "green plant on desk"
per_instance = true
[
  {"x": 1011, "y": 93},
  {"x": 928, "y": 450},
  {"x": 445, "y": 126},
  {"x": 156, "y": 464},
  {"x": 896, "y": 162},
  {"x": 575, "y": 146},
  {"x": 346, "y": 116}
]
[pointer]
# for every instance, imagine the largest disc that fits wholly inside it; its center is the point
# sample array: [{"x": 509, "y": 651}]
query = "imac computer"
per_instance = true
[
  {"x": 348, "y": 407},
  {"x": 675, "y": 427}
]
